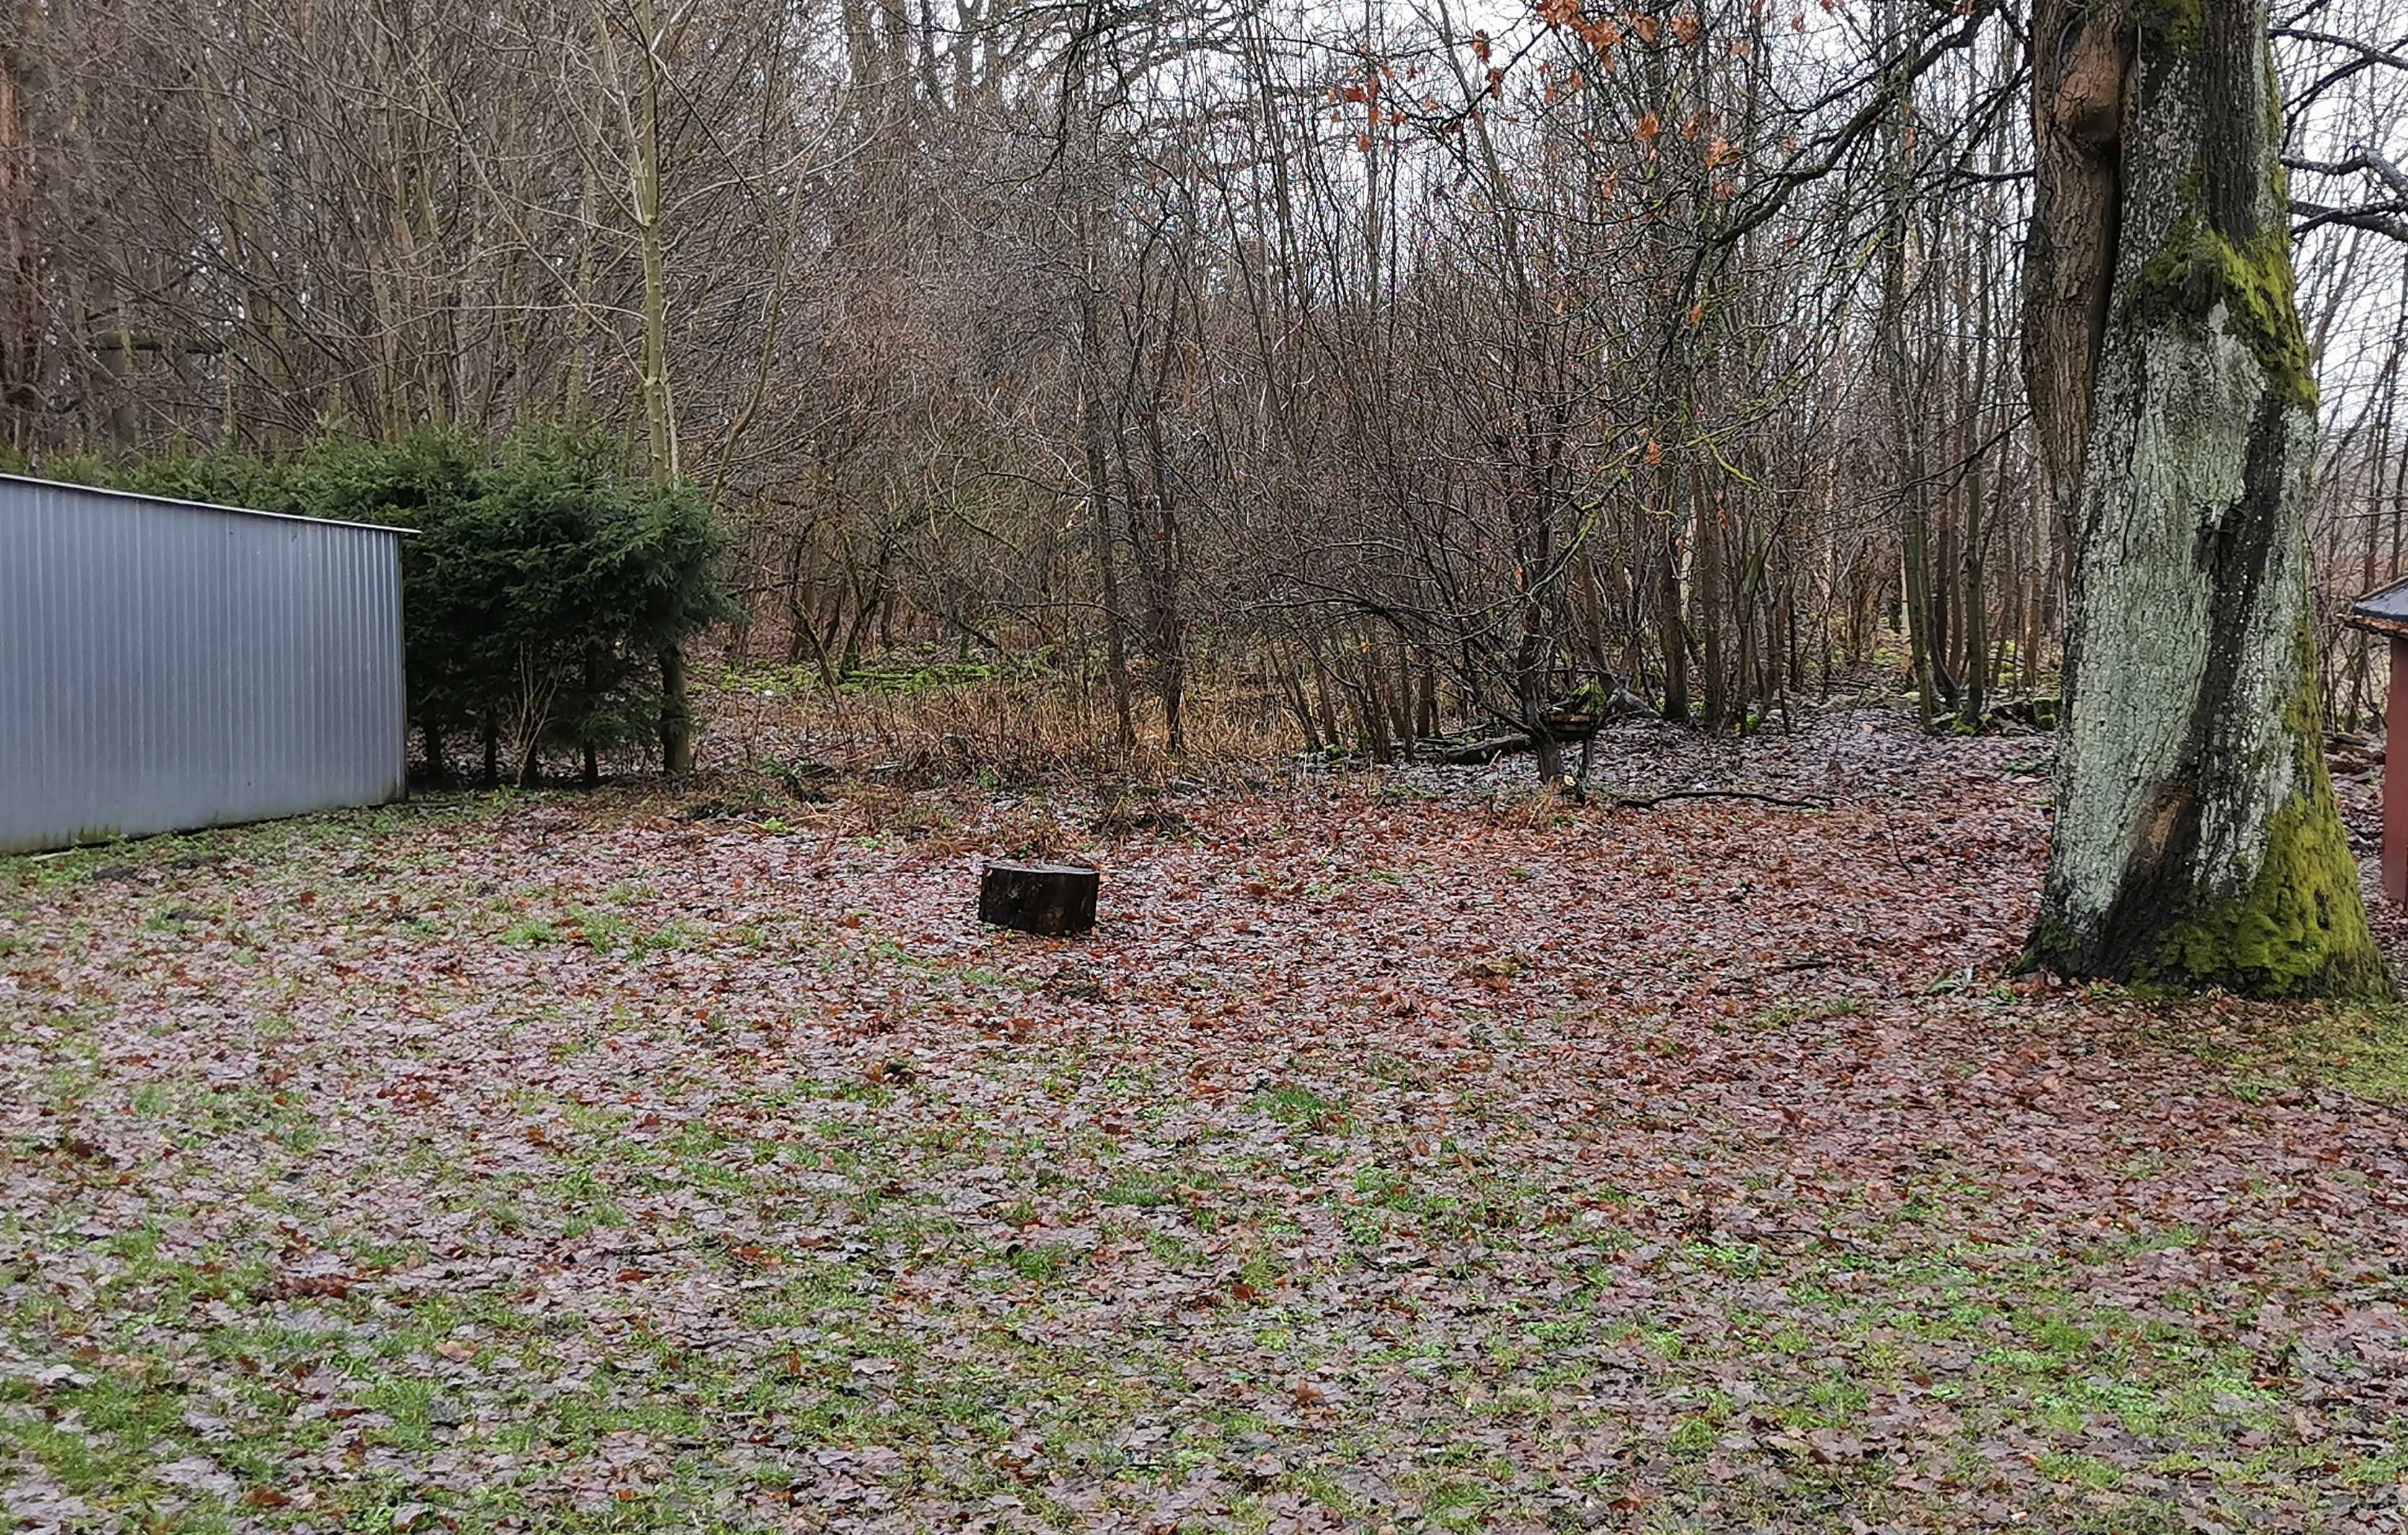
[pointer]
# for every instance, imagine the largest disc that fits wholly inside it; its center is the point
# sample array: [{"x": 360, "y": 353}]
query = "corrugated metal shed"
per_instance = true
[{"x": 166, "y": 664}]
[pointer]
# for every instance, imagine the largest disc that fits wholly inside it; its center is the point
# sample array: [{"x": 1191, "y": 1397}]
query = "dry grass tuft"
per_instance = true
[{"x": 1003, "y": 732}]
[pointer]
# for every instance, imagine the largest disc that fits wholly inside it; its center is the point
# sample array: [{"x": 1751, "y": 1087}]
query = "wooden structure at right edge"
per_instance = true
[
  {"x": 1057, "y": 901},
  {"x": 2384, "y": 611}
]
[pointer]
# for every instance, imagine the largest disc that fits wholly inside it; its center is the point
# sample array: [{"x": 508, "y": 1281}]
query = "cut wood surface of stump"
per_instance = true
[{"x": 1055, "y": 900}]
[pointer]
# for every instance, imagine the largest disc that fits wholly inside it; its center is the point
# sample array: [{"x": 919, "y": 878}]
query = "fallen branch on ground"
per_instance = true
[{"x": 1648, "y": 802}]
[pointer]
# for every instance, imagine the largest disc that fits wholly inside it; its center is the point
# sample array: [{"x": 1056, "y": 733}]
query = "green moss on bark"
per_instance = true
[
  {"x": 2299, "y": 930},
  {"x": 2171, "y": 23},
  {"x": 2197, "y": 268}
]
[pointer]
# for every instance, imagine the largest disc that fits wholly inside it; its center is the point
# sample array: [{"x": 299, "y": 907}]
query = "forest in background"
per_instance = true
[{"x": 1409, "y": 362}]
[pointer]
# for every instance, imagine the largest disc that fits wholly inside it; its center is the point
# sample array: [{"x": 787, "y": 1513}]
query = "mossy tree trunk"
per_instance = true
[{"x": 2196, "y": 841}]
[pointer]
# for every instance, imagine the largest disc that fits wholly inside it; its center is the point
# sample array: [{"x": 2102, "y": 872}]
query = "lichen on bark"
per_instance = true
[{"x": 2198, "y": 270}]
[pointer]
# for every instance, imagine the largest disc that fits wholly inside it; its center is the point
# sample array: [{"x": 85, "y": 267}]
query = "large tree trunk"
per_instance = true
[{"x": 2197, "y": 839}]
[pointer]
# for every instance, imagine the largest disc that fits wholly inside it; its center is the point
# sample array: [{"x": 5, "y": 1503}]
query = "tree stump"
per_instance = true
[{"x": 1054, "y": 899}]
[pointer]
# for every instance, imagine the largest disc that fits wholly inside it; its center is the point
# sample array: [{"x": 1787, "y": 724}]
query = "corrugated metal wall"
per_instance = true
[{"x": 166, "y": 666}]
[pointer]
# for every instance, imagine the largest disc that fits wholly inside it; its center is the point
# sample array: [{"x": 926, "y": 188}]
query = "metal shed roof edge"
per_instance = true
[
  {"x": 204, "y": 506},
  {"x": 2385, "y": 608}
]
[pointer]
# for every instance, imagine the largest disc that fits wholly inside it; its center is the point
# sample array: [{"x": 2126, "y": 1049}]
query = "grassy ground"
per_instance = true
[{"x": 1382, "y": 1160}]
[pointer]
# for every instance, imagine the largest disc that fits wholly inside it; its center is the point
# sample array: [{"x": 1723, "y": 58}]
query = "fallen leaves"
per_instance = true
[{"x": 1381, "y": 1157}]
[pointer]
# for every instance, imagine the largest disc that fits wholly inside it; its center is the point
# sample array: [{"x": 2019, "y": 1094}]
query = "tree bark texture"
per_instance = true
[{"x": 2198, "y": 843}]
